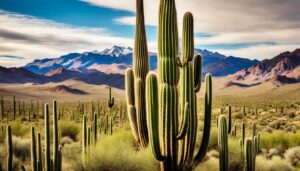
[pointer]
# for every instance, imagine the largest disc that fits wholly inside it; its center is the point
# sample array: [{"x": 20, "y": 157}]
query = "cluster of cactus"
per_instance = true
[
  {"x": 136, "y": 78},
  {"x": 173, "y": 143}
]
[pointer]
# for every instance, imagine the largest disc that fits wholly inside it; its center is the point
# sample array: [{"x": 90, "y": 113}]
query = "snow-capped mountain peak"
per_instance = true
[{"x": 117, "y": 51}]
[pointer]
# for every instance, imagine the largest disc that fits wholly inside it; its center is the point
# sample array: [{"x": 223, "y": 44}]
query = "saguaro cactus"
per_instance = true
[
  {"x": 250, "y": 165},
  {"x": 135, "y": 80},
  {"x": 162, "y": 109},
  {"x": 55, "y": 136},
  {"x": 84, "y": 138},
  {"x": 243, "y": 134},
  {"x": 95, "y": 128},
  {"x": 40, "y": 158},
  {"x": 14, "y": 107},
  {"x": 229, "y": 120},
  {"x": 223, "y": 143},
  {"x": 47, "y": 140},
  {"x": 33, "y": 151},
  {"x": 111, "y": 100},
  {"x": 9, "y": 148},
  {"x": 2, "y": 108}
]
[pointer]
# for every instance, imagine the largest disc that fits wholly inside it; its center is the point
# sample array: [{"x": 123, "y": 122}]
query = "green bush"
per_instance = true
[
  {"x": 69, "y": 129},
  {"x": 280, "y": 140},
  {"x": 118, "y": 152},
  {"x": 275, "y": 164}
]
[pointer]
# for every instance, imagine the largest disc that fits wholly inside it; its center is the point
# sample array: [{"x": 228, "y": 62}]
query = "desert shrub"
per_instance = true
[
  {"x": 293, "y": 156},
  {"x": 212, "y": 164},
  {"x": 69, "y": 129},
  {"x": 118, "y": 152},
  {"x": 277, "y": 124},
  {"x": 72, "y": 157},
  {"x": 66, "y": 140},
  {"x": 277, "y": 139},
  {"x": 21, "y": 147},
  {"x": 235, "y": 154},
  {"x": 19, "y": 129},
  {"x": 294, "y": 139},
  {"x": 213, "y": 140},
  {"x": 238, "y": 115},
  {"x": 275, "y": 152},
  {"x": 275, "y": 164},
  {"x": 292, "y": 115}
]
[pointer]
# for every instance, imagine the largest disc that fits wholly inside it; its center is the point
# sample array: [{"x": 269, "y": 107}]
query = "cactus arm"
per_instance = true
[
  {"x": 133, "y": 121},
  {"x": 207, "y": 122},
  {"x": 141, "y": 112},
  {"x": 184, "y": 123},
  {"x": 152, "y": 108},
  {"x": 197, "y": 72}
]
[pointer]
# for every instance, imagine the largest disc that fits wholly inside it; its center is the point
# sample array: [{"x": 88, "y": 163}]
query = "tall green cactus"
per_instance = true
[
  {"x": 135, "y": 80},
  {"x": 2, "y": 107},
  {"x": 9, "y": 149},
  {"x": 111, "y": 99},
  {"x": 95, "y": 128},
  {"x": 250, "y": 165},
  {"x": 162, "y": 109},
  {"x": 33, "y": 151},
  {"x": 14, "y": 107},
  {"x": 55, "y": 137},
  {"x": 47, "y": 140},
  {"x": 243, "y": 134},
  {"x": 229, "y": 120},
  {"x": 223, "y": 143},
  {"x": 40, "y": 158},
  {"x": 84, "y": 138}
]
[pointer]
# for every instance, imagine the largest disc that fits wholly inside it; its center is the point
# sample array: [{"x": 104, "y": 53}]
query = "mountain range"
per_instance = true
[
  {"x": 107, "y": 67},
  {"x": 117, "y": 59}
]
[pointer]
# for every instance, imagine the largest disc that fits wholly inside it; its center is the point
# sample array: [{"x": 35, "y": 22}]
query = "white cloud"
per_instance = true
[
  {"x": 229, "y": 21},
  {"x": 34, "y": 38}
]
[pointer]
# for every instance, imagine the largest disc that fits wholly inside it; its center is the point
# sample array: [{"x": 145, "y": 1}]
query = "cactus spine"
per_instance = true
[
  {"x": 33, "y": 151},
  {"x": 223, "y": 143},
  {"x": 135, "y": 80},
  {"x": 9, "y": 148},
  {"x": 47, "y": 140},
  {"x": 162, "y": 96},
  {"x": 55, "y": 137}
]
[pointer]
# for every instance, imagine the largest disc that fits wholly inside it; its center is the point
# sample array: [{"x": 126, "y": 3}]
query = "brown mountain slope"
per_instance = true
[{"x": 283, "y": 68}]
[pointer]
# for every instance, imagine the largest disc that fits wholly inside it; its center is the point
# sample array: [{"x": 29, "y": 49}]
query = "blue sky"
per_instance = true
[{"x": 33, "y": 29}]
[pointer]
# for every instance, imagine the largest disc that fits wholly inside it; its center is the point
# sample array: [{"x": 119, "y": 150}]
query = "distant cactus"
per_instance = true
[
  {"x": 111, "y": 100},
  {"x": 14, "y": 108},
  {"x": 55, "y": 137},
  {"x": 135, "y": 80},
  {"x": 111, "y": 126},
  {"x": 223, "y": 143},
  {"x": 249, "y": 156},
  {"x": 40, "y": 152},
  {"x": 9, "y": 149},
  {"x": 2, "y": 108},
  {"x": 84, "y": 138},
  {"x": 244, "y": 111},
  {"x": 95, "y": 128},
  {"x": 47, "y": 139},
  {"x": 243, "y": 134},
  {"x": 33, "y": 151},
  {"x": 229, "y": 120}
]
